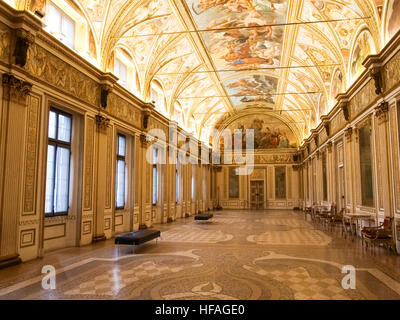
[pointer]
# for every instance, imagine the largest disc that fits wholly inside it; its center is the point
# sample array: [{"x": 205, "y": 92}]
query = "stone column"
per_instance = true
[
  {"x": 143, "y": 182},
  {"x": 12, "y": 142},
  {"x": 102, "y": 126}
]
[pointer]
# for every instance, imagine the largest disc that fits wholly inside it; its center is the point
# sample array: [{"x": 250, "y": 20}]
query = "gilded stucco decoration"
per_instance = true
[{"x": 214, "y": 59}]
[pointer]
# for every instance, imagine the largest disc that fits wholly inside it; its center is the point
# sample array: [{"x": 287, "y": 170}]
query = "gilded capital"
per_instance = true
[
  {"x": 381, "y": 111},
  {"x": 102, "y": 122},
  {"x": 16, "y": 90}
]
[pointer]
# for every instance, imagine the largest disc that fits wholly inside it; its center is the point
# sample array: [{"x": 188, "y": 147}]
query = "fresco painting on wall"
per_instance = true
[
  {"x": 269, "y": 132},
  {"x": 393, "y": 17},
  {"x": 242, "y": 48},
  {"x": 363, "y": 47}
]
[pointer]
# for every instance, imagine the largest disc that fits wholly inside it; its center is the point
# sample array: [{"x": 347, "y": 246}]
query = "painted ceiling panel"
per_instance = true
[{"x": 234, "y": 48}]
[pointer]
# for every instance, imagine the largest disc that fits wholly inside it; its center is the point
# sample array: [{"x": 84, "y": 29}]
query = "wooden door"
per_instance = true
[{"x": 257, "y": 194}]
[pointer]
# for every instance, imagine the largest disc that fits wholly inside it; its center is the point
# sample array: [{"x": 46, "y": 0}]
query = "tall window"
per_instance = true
[
  {"x": 367, "y": 193},
  {"x": 176, "y": 180},
  {"x": 193, "y": 183},
  {"x": 58, "y": 163},
  {"x": 61, "y": 26},
  {"x": 155, "y": 176},
  {"x": 233, "y": 183},
  {"x": 324, "y": 177},
  {"x": 121, "y": 71},
  {"x": 120, "y": 183},
  {"x": 280, "y": 182}
]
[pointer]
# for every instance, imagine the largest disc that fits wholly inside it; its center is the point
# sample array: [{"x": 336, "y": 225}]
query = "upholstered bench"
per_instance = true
[
  {"x": 203, "y": 216},
  {"x": 137, "y": 237}
]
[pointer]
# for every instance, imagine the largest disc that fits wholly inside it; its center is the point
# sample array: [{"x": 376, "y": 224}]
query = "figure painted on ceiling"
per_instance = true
[
  {"x": 364, "y": 47},
  {"x": 393, "y": 18}
]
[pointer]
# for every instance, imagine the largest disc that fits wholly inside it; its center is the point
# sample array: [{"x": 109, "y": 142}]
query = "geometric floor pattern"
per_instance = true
[
  {"x": 195, "y": 234},
  {"x": 306, "y": 287},
  {"x": 266, "y": 255},
  {"x": 114, "y": 280},
  {"x": 292, "y": 237}
]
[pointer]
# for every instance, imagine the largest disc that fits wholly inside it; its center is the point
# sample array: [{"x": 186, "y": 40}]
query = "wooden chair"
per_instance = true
[
  {"x": 326, "y": 213},
  {"x": 382, "y": 234}
]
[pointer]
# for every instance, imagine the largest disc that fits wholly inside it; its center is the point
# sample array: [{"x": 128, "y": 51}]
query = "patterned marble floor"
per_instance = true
[{"x": 237, "y": 255}]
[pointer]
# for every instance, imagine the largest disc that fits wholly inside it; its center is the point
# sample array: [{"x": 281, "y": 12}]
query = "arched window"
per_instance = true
[{"x": 157, "y": 97}]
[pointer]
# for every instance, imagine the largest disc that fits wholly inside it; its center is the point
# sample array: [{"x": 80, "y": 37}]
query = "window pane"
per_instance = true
[
  {"x": 176, "y": 187},
  {"x": 52, "y": 125},
  {"x": 54, "y": 20},
  {"x": 50, "y": 179},
  {"x": 62, "y": 180},
  {"x": 155, "y": 154},
  {"x": 120, "y": 185},
  {"x": 64, "y": 128},
  {"x": 154, "y": 97},
  {"x": 121, "y": 145},
  {"x": 68, "y": 32},
  {"x": 155, "y": 185},
  {"x": 121, "y": 72}
]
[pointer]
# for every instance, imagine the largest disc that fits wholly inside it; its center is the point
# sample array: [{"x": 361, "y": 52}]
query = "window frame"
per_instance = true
[
  {"x": 120, "y": 63},
  {"x": 120, "y": 158},
  {"x": 67, "y": 145},
  {"x": 59, "y": 32}
]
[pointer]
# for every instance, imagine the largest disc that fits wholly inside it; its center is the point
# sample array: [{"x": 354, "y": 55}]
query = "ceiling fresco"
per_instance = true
[
  {"x": 242, "y": 44},
  {"x": 217, "y": 58}
]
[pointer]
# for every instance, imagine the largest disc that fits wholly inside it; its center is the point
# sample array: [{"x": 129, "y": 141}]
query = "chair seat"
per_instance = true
[{"x": 374, "y": 237}]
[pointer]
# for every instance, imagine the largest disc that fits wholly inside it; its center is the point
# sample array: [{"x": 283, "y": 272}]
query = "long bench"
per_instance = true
[
  {"x": 203, "y": 216},
  {"x": 137, "y": 237}
]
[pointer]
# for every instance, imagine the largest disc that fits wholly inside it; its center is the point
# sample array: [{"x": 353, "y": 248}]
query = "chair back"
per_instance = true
[{"x": 387, "y": 223}]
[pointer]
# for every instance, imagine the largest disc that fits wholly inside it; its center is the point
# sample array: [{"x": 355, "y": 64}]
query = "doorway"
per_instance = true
[{"x": 257, "y": 194}]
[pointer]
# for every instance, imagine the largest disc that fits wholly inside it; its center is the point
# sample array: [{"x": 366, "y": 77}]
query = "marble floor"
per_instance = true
[{"x": 237, "y": 255}]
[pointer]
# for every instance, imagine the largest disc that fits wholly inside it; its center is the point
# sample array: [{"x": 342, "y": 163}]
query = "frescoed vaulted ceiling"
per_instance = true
[{"x": 216, "y": 59}]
